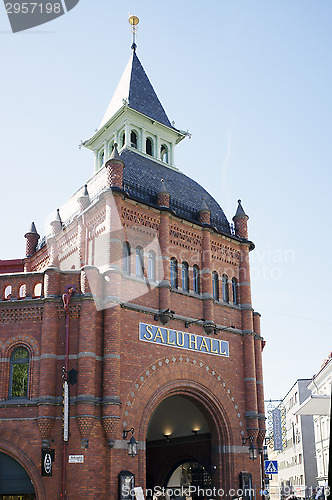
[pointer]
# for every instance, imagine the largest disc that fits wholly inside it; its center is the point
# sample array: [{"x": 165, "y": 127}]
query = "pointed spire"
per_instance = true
[
  {"x": 32, "y": 238},
  {"x": 32, "y": 229},
  {"x": 204, "y": 207},
  {"x": 240, "y": 222},
  {"x": 136, "y": 90},
  {"x": 204, "y": 213},
  {"x": 56, "y": 223},
  {"x": 115, "y": 153},
  {"x": 84, "y": 199},
  {"x": 163, "y": 195},
  {"x": 162, "y": 188},
  {"x": 240, "y": 212}
]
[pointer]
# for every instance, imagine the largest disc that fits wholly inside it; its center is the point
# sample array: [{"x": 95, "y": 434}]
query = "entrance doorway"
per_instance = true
[
  {"x": 178, "y": 447},
  {"x": 15, "y": 483}
]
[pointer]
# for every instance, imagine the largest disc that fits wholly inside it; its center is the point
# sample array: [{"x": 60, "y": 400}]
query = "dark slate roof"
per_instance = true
[
  {"x": 142, "y": 96},
  {"x": 142, "y": 178}
]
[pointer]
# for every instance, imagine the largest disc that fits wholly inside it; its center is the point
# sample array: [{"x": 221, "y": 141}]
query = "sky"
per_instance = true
[{"x": 251, "y": 81}]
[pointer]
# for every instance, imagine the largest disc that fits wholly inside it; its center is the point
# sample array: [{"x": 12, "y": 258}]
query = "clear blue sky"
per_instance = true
[{"x": 250, "y": 80}]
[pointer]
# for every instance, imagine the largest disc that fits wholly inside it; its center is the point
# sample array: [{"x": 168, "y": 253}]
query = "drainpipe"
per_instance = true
[{"x": 66, "y": 299}]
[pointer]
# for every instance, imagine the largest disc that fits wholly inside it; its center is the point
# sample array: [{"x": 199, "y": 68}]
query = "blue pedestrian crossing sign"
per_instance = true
[{"x": 271, "y": 466}]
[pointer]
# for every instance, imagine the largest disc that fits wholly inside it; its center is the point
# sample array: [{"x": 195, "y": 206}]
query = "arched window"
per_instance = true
[
  {"x": 19, "y": 373},
  {"x": 225, "y": 297},
  {"x": 152, "y": 265},
  {"x": 102, "y": 158},
  {"x": 174, "y": 273},
  {"x": 22, "y": 291},
  {"x": 123, "y": 139},
  {"x": 215, "y": 285},
  {"x": 133, "y": 139},
  {"x": 196, "y": 279},
  {"x": 139, "y": 262},
  {"x": 164, "y": 153},
  {"x": 234, "y": 290},
  {"x": 148, "y": 147},
  {"x": 185, "y": 276},
  {"x": 126, "y": 258},
  {"x": 7, "y": 294},
  {"x": 37, "y": 290}
]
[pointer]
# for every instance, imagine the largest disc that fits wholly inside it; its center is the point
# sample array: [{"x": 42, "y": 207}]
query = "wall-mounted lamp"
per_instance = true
[
  {"x": 167, "y": 436},
  {"x": 164, "y": 316},
  {"x": 253, "y": 452},
  {"x": 195, "y": 431},
  {"x": 187, "y": 323},
  {"x": 132, "y": 443}
]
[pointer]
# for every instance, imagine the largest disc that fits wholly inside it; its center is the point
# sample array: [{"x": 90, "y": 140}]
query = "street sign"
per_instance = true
[
  {"x": 76, "y": 459},
  {"x": 271, "y": 466}
]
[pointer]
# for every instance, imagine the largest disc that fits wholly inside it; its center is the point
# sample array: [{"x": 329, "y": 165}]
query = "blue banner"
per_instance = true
[{"x": 183, "y": 340}]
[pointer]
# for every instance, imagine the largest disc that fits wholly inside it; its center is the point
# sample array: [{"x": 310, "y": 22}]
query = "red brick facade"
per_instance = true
[{"x": 121, "y": 380}]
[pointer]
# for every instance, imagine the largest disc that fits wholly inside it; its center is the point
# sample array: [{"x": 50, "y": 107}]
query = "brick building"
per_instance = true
[{"x": 160, "y": 327}]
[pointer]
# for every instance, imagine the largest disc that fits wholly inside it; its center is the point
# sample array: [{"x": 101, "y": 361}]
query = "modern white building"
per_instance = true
[
  {"x": 318, "y": 404},
  {"x": 297, "y": 461}
]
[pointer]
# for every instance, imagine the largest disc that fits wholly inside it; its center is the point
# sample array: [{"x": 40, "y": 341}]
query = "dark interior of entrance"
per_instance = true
[
  {"x": 15, "y": 483},
  {"x": 178, "y": 446}
]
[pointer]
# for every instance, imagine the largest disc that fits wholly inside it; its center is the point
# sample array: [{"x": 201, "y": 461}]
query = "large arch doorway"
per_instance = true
[
  {"x": 178, "y": 446},
  {"x": 15, "y": 483}
]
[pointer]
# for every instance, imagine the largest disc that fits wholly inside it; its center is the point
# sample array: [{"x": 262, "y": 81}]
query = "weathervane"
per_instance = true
[{"x": 133, "y": 20}]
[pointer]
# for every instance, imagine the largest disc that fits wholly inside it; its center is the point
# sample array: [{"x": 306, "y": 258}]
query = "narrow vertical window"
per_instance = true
[
  {"x": 123, "y": 139},
  {"x": 152, "y": 265},
  {"x": 19, "y": 373},
  {"x": 164, "y": 153},
  {"x": 148, "y": 147},
  {"x": 196, "y": 279},
  {"x": 225, "y": 288},
  {"x": 139, "y": 262},
  {"x": 126, "y": 258},
  {"x": 185, "y": 276},
  {"x": 133, "y": 139},
  {"x": 215, "y": 285},
  {"x": 174, "y": 273},
  {"x": 234, "y": 290}
]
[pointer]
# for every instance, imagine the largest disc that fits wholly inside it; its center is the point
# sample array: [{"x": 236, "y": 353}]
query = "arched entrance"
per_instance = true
[
  {"x": 179, "y": 446},
  {"x": 15, "y": 483}
]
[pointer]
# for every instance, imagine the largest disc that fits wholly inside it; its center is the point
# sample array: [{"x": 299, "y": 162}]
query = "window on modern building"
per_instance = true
[
  {"x": 123, "y": 139},
  {"x": 215, "y": 285},
  {"x": 133, "y": 139},
  {"x": 152, "y": 265},
  {"x": 139, "y": 262},
  {"x": 234, "y": 290},
  {"x": 126, "y": 258},
  {"x": 148, "y": 147},
  {"x": 196, "y": 279},
  {"x": 174, "y": 273},
  {"x": 19, "y": 373},
  {"x": 164, "y": 153},
  {"x": 185, "y": 276},
  {"x": 225, "y": 297}
]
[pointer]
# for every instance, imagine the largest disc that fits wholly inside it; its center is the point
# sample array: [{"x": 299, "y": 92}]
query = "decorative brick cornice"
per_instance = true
[{"x": 15, "y": 314}]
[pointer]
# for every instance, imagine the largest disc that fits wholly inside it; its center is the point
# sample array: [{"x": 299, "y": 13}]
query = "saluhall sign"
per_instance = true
[{"x": 183, "y": 340}]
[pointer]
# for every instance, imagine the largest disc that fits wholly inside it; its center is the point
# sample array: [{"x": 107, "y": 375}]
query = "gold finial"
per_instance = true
[{"x": 133, "y": 20}]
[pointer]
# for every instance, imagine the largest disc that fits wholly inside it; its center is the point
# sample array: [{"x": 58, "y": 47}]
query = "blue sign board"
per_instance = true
[
  {"x": 183, "y": 340},
  {"x": 277, "y": 429},
  {"x": 271, "y": 466}
]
